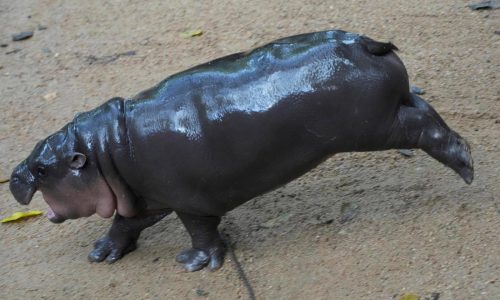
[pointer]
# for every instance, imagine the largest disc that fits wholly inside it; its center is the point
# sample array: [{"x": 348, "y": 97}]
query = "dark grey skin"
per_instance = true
[{"x": 208, "y": 139}]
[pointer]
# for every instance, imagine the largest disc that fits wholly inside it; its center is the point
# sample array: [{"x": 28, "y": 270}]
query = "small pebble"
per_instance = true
[
  {"x": 416, "y": 90},
  {"x": 435, "y": 296},
  {"x": 488, "y": 4},
  {"x": 342, "y": 232},
  {"x": 50, "y": 96},
  {"x": 328, "y": 222},
  {"x": 406, "y": 152},
  {"x": 201, "y": 292},
  {"x": 22, "y": 36},
  {"x": 128, "y": 53}
]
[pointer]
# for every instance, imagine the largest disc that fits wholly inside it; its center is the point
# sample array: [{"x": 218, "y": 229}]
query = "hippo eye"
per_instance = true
[{"x": 40, "y": 170}]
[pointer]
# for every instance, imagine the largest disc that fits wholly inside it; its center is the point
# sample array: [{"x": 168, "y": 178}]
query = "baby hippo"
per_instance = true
[{"x": 210, "y": 138}]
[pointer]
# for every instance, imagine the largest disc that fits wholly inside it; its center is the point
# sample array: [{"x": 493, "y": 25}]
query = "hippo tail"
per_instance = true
[{"x": 377, "y": 48}]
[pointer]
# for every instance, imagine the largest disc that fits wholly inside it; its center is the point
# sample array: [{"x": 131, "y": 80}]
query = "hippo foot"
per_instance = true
[
  {"x": 196, "y": 259},
  {"x": 122, "y": 236},
  {"x": 110, "y": 250}
]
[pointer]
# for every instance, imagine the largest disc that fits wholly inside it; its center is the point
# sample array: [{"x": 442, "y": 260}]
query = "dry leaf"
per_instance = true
[
  {"x": 191, "y": 33},
  {"x": 409, "y": 297},
  {"x": 21, "y": 215}
]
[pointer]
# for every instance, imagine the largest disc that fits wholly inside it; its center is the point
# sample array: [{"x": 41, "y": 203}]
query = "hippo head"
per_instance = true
[{"x": 68, "y": 178}]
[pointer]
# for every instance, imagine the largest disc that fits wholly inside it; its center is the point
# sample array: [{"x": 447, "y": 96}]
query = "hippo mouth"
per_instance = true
[
  {"x": 53, "y": 217},
  {"x": 65, "y": 204}
]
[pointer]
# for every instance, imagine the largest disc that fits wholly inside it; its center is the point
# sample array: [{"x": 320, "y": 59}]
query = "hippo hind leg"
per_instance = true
[
  {"x": 417, "y": 102},
  {"x": 418, "y": 125}
]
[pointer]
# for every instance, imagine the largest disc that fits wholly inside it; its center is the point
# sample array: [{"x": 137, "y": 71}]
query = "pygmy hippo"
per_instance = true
[{"x": 210, "y": 138}]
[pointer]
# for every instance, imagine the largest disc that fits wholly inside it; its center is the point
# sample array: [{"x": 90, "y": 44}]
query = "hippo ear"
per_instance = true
[{"x": 77, "y": 160}]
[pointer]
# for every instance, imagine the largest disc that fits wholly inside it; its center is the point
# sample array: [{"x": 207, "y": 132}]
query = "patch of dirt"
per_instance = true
[{"x": 413, "y": 225}]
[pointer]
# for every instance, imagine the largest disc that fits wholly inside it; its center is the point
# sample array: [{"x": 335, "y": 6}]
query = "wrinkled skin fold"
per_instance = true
[{"x": 208, "y": 139}]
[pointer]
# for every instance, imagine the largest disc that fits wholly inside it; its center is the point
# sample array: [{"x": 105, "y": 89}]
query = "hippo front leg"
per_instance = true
[
  {"x": 122, "y": 236},
  {"x": 208, "y": 247}
]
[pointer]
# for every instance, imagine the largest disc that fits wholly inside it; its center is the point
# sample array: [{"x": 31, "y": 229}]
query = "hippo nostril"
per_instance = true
[{"x": 15, "y": 179}]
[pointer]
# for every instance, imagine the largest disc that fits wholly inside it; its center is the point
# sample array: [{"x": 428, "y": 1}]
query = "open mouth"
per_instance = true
[{"x": 53, "y": 217}]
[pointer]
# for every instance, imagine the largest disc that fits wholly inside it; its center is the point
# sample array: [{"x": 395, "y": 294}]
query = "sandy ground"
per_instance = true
[{"x": 415, "y": 226}]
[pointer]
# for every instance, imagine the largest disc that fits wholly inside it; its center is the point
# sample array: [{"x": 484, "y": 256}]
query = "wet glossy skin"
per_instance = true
[
  {"x": 208, "y": 139},
  {"x": 242, "y": 125}
]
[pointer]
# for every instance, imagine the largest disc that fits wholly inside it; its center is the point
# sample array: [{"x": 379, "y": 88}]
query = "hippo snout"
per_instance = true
[{"x": 22, "y": 184}]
